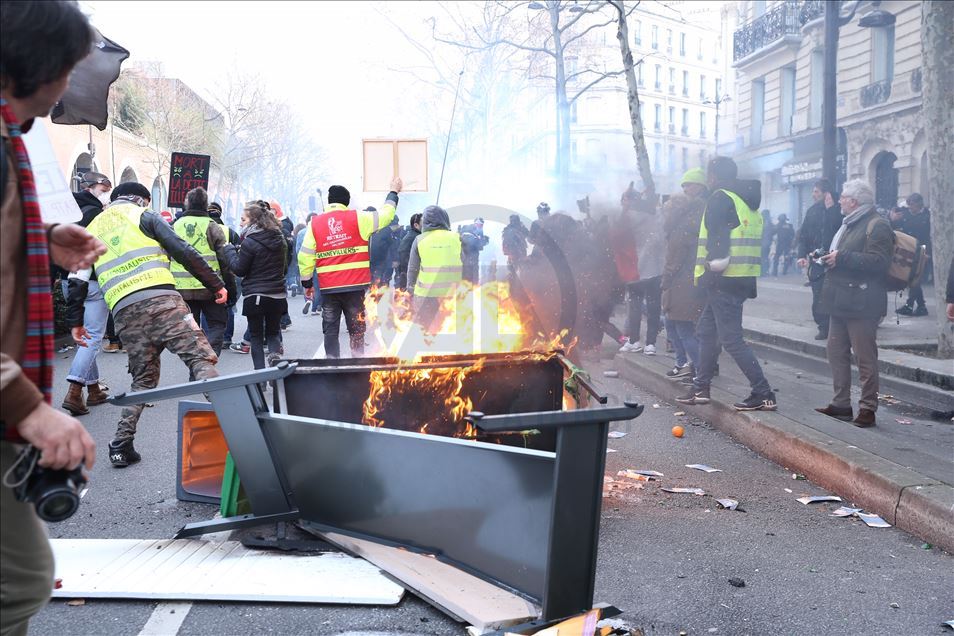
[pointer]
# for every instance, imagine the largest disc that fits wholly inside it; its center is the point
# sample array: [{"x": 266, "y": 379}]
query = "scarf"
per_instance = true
[
  {"x": 851, "y": 219},
  {"x": 37, "y": 361}
]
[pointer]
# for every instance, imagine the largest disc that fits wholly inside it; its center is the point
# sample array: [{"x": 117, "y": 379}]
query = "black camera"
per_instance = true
[
  {"x": 816, "y": 256},
  {"x": 55, "y": 494}
]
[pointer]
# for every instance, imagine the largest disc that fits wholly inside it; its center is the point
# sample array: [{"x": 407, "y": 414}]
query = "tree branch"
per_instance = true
[{"x": 594, "y": 83}]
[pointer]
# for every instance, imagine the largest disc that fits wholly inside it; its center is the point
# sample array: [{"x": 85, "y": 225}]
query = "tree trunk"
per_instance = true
[
  {"x": 937, "y": 42},
  {"x": 639, "y": 142}
]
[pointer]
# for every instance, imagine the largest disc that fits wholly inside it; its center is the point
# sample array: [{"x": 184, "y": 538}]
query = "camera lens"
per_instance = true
[{"x": 57, "y": 504}]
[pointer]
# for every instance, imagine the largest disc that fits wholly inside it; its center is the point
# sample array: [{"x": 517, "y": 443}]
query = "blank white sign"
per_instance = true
[{"x": 386, "y": 158}]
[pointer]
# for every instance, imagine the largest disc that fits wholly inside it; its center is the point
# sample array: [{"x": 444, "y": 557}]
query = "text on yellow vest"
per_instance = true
[
  {"x": 194, "y": 230},
  {"x": 745, "y": 242}
]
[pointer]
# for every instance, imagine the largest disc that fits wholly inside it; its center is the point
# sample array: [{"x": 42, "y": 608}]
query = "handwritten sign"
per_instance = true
[
  {"x": 385, "y": 159},
  {"x": 186, "y": 172}
]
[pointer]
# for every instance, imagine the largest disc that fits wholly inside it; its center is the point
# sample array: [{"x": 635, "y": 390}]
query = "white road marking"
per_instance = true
[{"x": 166, "y": 619}]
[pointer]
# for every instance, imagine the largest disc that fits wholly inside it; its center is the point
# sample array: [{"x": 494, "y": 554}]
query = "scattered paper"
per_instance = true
[
  {"x": 688, "y": 491},
  {"x": 728, "y": 504},
  {"x": 798, "y": 477},
  {"x": 76, "y": 602},
  {"x": 678, "y": 413},
  {"x": 845, "y": 511},
  {"x": 634, "y": 475},
  {"x": 614, "y": 488},
  {"x": 704, "y": 468},
  {"x": 611, "y": 374},
  {"x": 817, "y": 498},
  {"x": 873, "y": 521},
  {"x": 648, "y": 473},
  {"x": 949, "y": 624},
  {"x": 655, "y": 406},
  {"x": 610, "y": 450},
  {"x": 788, "y": 490},
  {"x": 903, "y": 420},
  {"x": 616, "y": 434}
]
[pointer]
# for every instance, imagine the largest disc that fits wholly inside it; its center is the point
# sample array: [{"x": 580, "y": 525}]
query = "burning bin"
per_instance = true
[{"x": 469, "y": 458}]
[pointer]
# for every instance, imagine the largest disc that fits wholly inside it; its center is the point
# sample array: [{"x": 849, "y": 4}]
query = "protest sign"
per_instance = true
[
  {"x": 57, "y": 204},
  {"x": 187, "y": 171},
  {"x": 385, "y": 159}
]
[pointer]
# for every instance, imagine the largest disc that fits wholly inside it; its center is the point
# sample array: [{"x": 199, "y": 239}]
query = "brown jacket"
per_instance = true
[
  {"x": 680, "y": 299},
  {"x": 18, "y": 395},
  {"x": 855, "y": 286}
]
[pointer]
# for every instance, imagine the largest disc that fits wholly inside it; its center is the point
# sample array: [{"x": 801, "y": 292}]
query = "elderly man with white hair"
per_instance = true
[{"x": 854, "y": 295}]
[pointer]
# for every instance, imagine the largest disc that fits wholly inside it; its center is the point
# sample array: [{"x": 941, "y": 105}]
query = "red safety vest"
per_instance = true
[{"x": 341, "y": 255}]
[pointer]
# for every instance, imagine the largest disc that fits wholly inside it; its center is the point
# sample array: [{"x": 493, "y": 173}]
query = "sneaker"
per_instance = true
[
  {"x": 122, "y": 454},
  {"x": 306, "y": 308},
  {"x": 111, "y": 347},
  {"x": 679, "y": 371},
  {"x": 272, "y": 359},
  {"x": 920, "y": 311},
  {"x": 686, "y": 380},
  {"x": 240, "y": 348},
  {"x": 694, "y": 396},
  {"x": 906, "y": 310},
  {"x": 821, "y": 335},
  {"x": 756, "y": 403},
  {"x": 631, "y": 347},
  {"x": 650, "y": 350}
]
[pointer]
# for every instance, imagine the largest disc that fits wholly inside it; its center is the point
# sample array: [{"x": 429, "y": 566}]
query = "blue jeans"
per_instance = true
[
  {"x": 84, "y": 370},
  {"x": 721, "y": 321},
  {"x": 682, "y": 333}
]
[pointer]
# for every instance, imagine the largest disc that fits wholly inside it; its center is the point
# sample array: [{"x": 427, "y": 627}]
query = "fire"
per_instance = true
[{"x": 478, "y": 319}]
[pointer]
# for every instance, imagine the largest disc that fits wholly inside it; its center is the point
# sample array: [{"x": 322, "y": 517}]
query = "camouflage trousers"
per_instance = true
[{"x": 148, "y": 327}]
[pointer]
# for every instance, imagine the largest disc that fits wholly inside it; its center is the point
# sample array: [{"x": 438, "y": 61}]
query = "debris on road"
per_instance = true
[
  {"x": 616, "y": 434},
  {"x": 704, "y": 468},
  {"x": 611, "y": 374},
  {"x": 690, "y": 491},
  {"x": 903, "y": 420},
  {"x": 799, "y": 477},
  {"x": 817, "y": 498},
  {"x": 845, "y": 511},
  {"x": 894, "y": 606},
  {"x": 610, "y": 450},
  {"x": 647, "y": 473},
  {"x": 678, "y": 431},
  {"x": 734, "y": 582},
  {"x": 617, "y": 488},
  {"x": 729, "y": 504},
  {"x": 76, "y": 602},
  {"x": 632, "y": 474},
  {"x": 655, "y": 406},
  {"x": 873, "y": 521},
  {"x": 679, "y": 413}
]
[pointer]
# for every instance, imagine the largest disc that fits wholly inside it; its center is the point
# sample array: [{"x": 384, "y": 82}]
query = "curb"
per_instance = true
[{"x": 904, "y": 498}]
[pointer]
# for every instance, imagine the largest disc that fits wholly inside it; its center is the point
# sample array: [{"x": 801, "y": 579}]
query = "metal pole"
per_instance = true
[
  {"x": 718, "y": 108},
  {"x": 450, "y": 129},
  {"x": 829, "y": 100}
]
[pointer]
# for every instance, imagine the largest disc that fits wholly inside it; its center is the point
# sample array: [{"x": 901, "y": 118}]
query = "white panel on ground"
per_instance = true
[{"x": 190, "y": 569}]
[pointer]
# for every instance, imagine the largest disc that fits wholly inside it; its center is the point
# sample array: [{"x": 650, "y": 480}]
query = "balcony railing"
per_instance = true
[
  {"x": 876, "y": 93},
  {"x": 786, "y": 19}
]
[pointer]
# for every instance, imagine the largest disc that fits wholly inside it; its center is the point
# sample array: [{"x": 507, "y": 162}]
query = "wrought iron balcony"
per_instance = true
[
  {"x": 784, "y": 20},
  {"x": 876, "y": 93}
]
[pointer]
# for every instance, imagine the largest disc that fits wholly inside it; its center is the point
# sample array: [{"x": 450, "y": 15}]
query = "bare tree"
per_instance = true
[
  {"x": 632, "y": 94},
  {"x": 937, "y": 42}
]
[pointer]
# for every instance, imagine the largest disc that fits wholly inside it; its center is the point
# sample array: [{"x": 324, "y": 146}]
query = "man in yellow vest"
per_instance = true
[
  {"x": 336, "y": 246},
  {"x": 197, "y": 228},
  {"x": 728, "y": 262},
  {"x": 139, "y": 288},
  {"x": 435, "y": 267}
]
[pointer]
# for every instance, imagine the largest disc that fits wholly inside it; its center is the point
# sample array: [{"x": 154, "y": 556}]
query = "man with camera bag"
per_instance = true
[{"x": 40, "y": 43}]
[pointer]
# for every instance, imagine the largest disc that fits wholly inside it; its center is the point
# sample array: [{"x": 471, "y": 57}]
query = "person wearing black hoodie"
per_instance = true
[
  {"x": 822, "y": 221},
  {"x": 726, "y": 291},
  {"x": 262, "y": 261},
  {"x": 404, "y": 251}
]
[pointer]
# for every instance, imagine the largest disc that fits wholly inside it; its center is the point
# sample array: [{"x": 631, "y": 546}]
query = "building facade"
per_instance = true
[{"x": 779, "y": 59}]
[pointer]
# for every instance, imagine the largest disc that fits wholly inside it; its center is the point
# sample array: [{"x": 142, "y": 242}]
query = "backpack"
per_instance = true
[{"x": 908, "y": 261}]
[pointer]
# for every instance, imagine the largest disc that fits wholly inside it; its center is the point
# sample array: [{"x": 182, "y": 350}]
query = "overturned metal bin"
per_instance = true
[{"x": 516, "y": 504}]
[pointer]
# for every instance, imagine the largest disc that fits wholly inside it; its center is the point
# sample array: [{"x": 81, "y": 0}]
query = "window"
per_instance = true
[
  {"x": 639, "y": 73},
  {"x": 758, "y": 111},
  {"x": 702, "y": 46},
  {"x": 702, "y": 88},
  {"x": 672, "y": 119},
  {"x": 718, "y": 88},
  {"x": 685, "y": 121},
  {"x": 682, "y": 44},
  {"x": 671, "y": 158},
  {"x": 702, "y": 158},
  {"x": 658, "y": 77},
  {"x": 817, "y": 88},
  {"x": 882, "y": 54},
  {"x": 642, "y": 114},
  {"x": 685, "y": 83},
  {"x": 638, "y": 28},
  {"x": 573, "y": 111},
  {"x": 702, "y": 125},
  {"x": 657, "y": 157},
  {"x": 672, "y": 81},
  {"x": 668, "y": 40},
  {"x": 574, "y": 153},
  {"x": 685, "y": 158},
  {"x": 788, "y": 101},
  {"x": 655, "y": 36},
  {"x": 759, "y": 7},
  {"x": 657, "y": 124}
]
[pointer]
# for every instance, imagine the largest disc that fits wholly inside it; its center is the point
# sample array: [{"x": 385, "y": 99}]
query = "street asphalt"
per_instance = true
[{"x": 665, "y": 559}]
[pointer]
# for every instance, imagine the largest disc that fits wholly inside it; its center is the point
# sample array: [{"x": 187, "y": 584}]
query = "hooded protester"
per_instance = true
[
  {"x": 435, "y": 267},
  {"x": 784, "y": 237},
  {"x": 404, "y": 251},
  {"x": 650, "y": 244},
  {"x": 728, "y": 260},
  {"x": 93, "y": 197},
  {"x": 384, "y": 246},
  {"x": 473, "y": 240}
]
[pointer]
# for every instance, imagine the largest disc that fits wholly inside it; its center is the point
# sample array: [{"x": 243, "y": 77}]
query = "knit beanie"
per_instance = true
[{"x": 339, "y": 194}]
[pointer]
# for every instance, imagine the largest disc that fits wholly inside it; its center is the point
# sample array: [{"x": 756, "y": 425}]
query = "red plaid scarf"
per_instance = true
[{"x": 37, "y": 361}]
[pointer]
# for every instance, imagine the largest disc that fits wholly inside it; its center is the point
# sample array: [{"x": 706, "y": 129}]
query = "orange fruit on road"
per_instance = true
[{"x": 678, "y": 431}]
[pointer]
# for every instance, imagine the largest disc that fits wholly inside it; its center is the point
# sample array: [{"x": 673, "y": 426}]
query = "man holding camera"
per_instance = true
[
  {"x": 821, "y": 222},
  {"x": 855, "y": 296},
  {"x": 40, "y": 43}
]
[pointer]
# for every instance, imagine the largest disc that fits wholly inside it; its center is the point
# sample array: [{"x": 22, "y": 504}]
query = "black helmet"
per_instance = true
[{"x": 543, "y": 209}]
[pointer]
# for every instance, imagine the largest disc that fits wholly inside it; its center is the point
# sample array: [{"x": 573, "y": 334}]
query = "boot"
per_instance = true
[
  {"x": 73, "y": 402},
  {"x": 122, "y": 453},
  {"x": 96, "y": 394}
]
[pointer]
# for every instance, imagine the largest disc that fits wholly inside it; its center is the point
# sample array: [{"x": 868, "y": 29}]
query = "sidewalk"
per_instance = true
[{"x": 902, "y": 469}]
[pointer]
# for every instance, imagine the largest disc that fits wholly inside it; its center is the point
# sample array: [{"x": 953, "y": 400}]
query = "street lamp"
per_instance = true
[
  {"x": 833, "y": 23},
  {"x": 718, "y": 101}
]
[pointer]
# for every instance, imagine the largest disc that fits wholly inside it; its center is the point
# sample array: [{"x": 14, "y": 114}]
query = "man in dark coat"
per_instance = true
[
  {"x": 94, "y": 196},
  {"x": 404, "y": 251},
  {"x": 915, "y": 221},
  {"x": 784, "y": 237},
  {"x": 855, "y": 297},
  {"x": 384, "y": 244},
  {"x": 473, "y": 240},
  {"x": 514, "y": 241},
  {"x": 821, "y": 222}
]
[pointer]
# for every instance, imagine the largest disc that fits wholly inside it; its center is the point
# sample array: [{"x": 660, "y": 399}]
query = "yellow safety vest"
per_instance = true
[
  {"x": 745, "y": 243},
  {"x": 441, "y": 267},
  {"x": 194, "y": 231},
  {"x": 132, "y": 261}
]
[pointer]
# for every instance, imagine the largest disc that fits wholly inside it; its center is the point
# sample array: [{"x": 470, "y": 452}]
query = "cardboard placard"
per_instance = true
[
  {"x": 187, "y": 171},
  {"x": 384, "y": 159}
]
